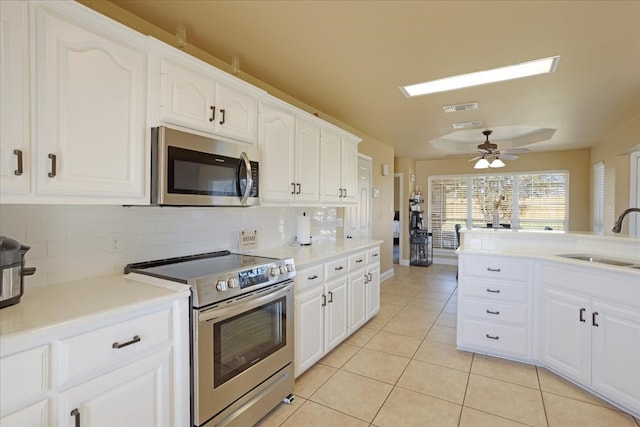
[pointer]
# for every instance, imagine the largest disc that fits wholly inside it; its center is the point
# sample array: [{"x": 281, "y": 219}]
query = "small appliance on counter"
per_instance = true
[
  {"x": 303, "y": 230},
  {"x": 13, "y": 271}
]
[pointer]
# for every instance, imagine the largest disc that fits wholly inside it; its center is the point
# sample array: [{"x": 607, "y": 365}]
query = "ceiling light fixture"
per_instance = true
[
  {"x": 481, "y": 164},
  {"x": 525, "y": 69},
  {"x": 497, "y": 163}
]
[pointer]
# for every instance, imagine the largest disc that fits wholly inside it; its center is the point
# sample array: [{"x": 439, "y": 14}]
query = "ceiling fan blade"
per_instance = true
[
  {"x": 514, "y": 151},
  {"x": 458, "y": 156},
  {"x": 508, "y": 156},
  {"x": 474, "y": 159}
]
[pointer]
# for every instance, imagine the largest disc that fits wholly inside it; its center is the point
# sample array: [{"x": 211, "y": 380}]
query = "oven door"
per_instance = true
[{"x": 239, "y": 346}]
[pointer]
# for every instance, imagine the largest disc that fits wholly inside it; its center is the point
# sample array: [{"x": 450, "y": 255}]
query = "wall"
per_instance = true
[
  {"x": 380, "y": 153},
  {"x": 72, "y": 242},
  {"x": 614, "y": 152}
]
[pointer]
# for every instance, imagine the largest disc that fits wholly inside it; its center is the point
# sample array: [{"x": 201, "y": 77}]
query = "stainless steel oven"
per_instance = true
[
  {"x": 242, "y": 333},
  {"x": 192, "y": 170}
]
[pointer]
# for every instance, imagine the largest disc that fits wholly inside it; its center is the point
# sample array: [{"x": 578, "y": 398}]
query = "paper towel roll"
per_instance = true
[{"x": 303, "y": 228}]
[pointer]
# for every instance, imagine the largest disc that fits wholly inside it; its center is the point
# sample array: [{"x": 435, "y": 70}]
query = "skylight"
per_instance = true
[{"x": 510, "y": 72}]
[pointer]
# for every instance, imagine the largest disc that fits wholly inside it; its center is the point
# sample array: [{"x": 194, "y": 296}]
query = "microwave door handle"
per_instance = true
[{"x": 249, "y": 186}]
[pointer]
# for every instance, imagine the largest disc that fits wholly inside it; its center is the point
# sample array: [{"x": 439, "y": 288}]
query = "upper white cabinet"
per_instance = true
[
  {"x": 289, "y": 153},
  {"x": 90, "y": 106},
  {"x": 197, "y": 96},
  {"x": 338, "y": 168},
  {"x": 15, "y": 147}
]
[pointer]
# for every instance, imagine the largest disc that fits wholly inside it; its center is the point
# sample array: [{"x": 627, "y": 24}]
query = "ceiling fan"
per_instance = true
[{"x": 491, "y": 157}]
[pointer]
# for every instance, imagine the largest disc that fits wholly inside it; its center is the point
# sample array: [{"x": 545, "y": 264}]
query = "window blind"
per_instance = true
[{"x": 598, "y": 197}]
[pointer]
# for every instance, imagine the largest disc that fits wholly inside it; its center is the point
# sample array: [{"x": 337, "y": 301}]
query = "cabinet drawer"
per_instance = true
[
  {"x": 23, "y": 376},
  {"x": 335, "y": 268},
  {"x": 124, "y": 341},
  {"x": 373, "y": 255},
  {"x": 495, "y": 311},
  {"x": 494, "y": 337},
  {"x": 309, "y": 277},
  {"x": 497, "y": 268},
  {"x": 494, "y": 291},
  {"x": 357, "y": 261}
]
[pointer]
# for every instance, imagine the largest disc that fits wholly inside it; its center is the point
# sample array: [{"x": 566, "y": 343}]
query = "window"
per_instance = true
[
  {"x": 525, "y": 201},
  {"x": 598, "y": 197}
]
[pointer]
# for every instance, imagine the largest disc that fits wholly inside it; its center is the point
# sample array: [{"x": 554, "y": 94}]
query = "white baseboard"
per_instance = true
[
  {"x": 386, "y": 275},
  {"x": 404, "y": 262}
]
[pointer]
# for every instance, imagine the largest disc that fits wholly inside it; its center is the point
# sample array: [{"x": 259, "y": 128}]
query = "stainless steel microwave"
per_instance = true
[{"x": 192, "y": 170}]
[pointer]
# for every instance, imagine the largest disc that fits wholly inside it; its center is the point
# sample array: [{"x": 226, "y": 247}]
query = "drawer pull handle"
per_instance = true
[
  {"x": 491, "y": 337},
  {"x": 53, "y": 172},
  {"x": 213, "y": 113},
  {"x": 222, "y": 111},
  {"x": 495, "y": 270},
  {"x": 293, "y": 188},
  {"x": 593, "y": 319},
  {"x": 493, "y": 291},
  {"x": 324, "y": 300},
  {"x": 493, "y": 312},
  {"x": 76, "y": 414},
  {"x": 582, "y": 310},
  {"x": 370, "y": 276},
  {"x": 358, "y": 261},
  {"x": 299, "y": 186},
  {"x": 18, "y": 154},
  {"x": 339, "y": 268},
  {"x": 314, "y": 277},
  {"x": 134, "y": 340},
  {"x": 374, "y": 255},
  {"x": 330, "y": 296}
]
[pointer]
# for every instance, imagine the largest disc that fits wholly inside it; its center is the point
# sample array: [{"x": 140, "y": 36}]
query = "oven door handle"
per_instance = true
[
  {"x": 241, "y": 307},
  {"x": 249, "y": 186}
]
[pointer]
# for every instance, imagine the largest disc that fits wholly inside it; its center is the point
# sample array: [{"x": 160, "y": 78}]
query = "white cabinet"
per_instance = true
[
  {"x": 338, "y": 168},
  {"x": 289, "y": 155},
  {"x": 494, "y": 298},
  {"x": 590, "y": 330},
  {"x": 137, "y": 394},
  {"x": 332, "y": 300},
  {"x": 197, "y": 96},
  {"x": 91, "y": 133},
  {"x": 15, "y": 147}
]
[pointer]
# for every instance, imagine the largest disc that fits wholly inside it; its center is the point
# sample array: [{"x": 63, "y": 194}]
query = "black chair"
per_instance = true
[{"x": 457, "y": 227}]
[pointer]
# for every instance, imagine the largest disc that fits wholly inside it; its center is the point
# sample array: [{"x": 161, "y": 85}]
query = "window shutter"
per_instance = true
[{"x": 598, "y": 197}]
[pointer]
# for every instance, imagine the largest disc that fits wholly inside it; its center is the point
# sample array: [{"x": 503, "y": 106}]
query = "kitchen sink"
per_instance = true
[{"x": 600, "y": 260}]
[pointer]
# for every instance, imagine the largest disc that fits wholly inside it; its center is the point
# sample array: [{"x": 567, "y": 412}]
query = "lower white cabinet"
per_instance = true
[
  {"x": 590, "y": 331},
  {"x": 137, "y": 394},
  {"x": 36, "y": 415},
  {"x": 332, "y": 300}
]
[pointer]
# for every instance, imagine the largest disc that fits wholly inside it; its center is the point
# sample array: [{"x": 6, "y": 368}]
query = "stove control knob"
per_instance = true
[
  {"x": 274, "y": 271},
  {"x": 221, "y": 285},
  {"x": 282, "y": 269},
  {"x": 290, "y": 268},
  {"x": 232, "y": 282}
]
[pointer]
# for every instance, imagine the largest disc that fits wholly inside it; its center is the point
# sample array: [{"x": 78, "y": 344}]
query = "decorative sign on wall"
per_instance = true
[{"x": 248, "y": 239}]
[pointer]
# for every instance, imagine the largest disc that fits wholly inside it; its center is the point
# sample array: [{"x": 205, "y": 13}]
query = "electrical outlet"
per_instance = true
[{"x": 115, "y": 242}]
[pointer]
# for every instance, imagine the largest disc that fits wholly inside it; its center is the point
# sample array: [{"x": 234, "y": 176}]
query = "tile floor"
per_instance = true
[{"x": 402, "y": 369}]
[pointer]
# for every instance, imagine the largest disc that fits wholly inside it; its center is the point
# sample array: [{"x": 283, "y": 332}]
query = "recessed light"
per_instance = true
[{"x": 510, "y": 72}]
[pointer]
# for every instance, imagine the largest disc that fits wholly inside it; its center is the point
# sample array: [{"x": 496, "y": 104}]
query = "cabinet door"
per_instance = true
[
  {"x": 336, "y": 312},
  {"x": 237, "y": 113},
  {"x": 330, "y": 158},
  {"x": 90, "y": 108},
  {"x": 277, "y": 133},
  {"x": 309, "y": 322},
  {"x": 36, "y": 415},
  {"x": 349, "y": 171},
  {"x": 616, "y": 352},
  {"x": 187, "y": 98},
  {"x": 566, "y": 334},
  {"x": 134, "y": 395},
  {"x": 372, "y": 290},
  {"x": 14, "y": 105},
  {"x": 307, "y": 161},
  {"x": 357, "y": 301}
]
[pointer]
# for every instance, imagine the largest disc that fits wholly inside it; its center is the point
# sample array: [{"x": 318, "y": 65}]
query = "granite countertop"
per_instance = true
[
  {"x": 318, "y": 251},
  {"x": 42, "y": 310}
]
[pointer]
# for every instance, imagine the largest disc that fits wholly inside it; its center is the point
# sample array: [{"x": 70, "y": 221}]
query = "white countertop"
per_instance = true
[
  {"x": 42, "y": 310},
  {"x": 318, "y": 251}
]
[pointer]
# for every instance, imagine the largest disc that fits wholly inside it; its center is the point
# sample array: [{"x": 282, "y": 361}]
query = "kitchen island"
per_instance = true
[{"x": 567, "y": 301}]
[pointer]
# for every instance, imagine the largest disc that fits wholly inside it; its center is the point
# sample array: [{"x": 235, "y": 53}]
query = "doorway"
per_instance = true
[
  {"x": 397, "y": 217},
  {"x": 358, "y": 218}
]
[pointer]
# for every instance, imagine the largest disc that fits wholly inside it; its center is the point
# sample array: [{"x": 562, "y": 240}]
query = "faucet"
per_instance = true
[{"x": 616, "y": 228}]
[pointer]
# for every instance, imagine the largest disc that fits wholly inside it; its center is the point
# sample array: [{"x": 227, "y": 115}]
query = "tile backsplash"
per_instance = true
[{"x": 71, "y": 242}]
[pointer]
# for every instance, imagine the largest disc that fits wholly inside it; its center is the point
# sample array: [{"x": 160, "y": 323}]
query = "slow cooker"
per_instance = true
[{"x": 13, "y": 271}]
